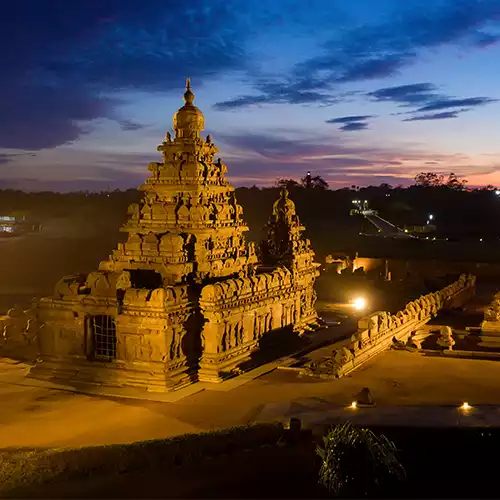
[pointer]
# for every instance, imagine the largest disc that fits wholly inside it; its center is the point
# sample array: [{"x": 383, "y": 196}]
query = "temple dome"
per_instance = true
[{"x": 189, "y": 120}]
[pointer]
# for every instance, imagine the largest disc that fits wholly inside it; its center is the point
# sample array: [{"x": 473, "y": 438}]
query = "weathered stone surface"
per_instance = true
[
  {"x": 490, "y": 327},
  {"x": 446, "y": 337},
  {"x": 379, "y": 330},
  {"x": 185, "y": 297}
]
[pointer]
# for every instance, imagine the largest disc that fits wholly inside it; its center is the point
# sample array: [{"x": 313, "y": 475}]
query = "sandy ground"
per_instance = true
[
  {"x": 32, "y": 264},
  {"x": 44, "y": 417}
]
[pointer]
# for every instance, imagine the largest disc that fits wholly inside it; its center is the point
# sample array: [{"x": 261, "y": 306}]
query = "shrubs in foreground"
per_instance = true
[{"x": 356, "y": 462}]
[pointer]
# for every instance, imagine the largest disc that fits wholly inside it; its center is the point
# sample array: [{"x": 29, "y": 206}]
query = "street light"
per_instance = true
[{"x": 359, "y": 303}]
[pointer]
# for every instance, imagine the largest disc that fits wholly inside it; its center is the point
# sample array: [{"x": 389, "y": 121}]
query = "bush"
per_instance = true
[
  {"x": 356, "y": 462},
  {"x": 20, "y": 468}
]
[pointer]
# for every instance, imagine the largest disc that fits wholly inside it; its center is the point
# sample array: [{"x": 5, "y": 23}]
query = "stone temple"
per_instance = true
[{"x": 185, "y": 298}]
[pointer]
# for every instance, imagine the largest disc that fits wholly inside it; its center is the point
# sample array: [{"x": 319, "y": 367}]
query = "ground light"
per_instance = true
[
  {"x": 465, "y": 406},
  {"x": 359, "y": 303},
  {"x": 354, "y": 405}
]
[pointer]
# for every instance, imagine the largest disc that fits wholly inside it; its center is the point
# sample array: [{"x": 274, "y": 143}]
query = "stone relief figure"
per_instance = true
[
  {"x": 150, "y": 242},
  {"x": 373, "y": 325},
  {"x": 168, "y": 137},
  {"x": 172, "y": 243},
  {"x": 492, "y": 312},
  {"x": 134, "y": 211},
  {"x": 342, "y": 356},
  {"x": 124, "y": 281},
  {"x": 446, "y": 337},
  {"x": 146, "y": 211},
  {"x": 183, "y": 213},
  {"x": 175, "y": 345},
  {"x": 284, "y": 208},
  {"x": 382, "y": 321}
]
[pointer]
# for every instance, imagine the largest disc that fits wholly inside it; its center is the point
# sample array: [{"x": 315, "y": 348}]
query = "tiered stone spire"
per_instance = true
[
  {"x": 285, "y": 245},
  {"x": 189, "y": 224}
]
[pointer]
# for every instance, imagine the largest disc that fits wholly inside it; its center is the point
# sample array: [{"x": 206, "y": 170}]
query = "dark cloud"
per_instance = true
[
  {"x": 435, "y": 116},
  {"x": 277, "y": 148},
  {"x": 352, "y": 123},
  {"x": 62, "y": 59},
  {"x": 128, "y": 125},
  {"x": 375, "y": 68},
  {"x": 382, "y": 50},
  {"x": 283, "y": 93},
  {"x": 9, "y": 157},
  {"x": 413, "y": 94},
  {"x": 425, "y": 98},
  {"x": 484, "y": 40},
  {"x": 4, "y": 159},
  {"x": 349, "y": 119},
  {"x": 455, "y": 103},
  {"x": 278, "y": 154},
  {"x": 354, "y": 126}
]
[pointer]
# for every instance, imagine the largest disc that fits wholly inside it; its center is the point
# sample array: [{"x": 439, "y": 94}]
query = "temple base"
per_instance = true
[
  {"x": 81, "y": 373},
  {"x": 490, "y": 335},
  {"x": 215, "y": 369}
]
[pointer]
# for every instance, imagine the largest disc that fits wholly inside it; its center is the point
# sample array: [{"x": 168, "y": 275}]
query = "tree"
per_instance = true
[
  {"x": 454, "y": 182},
  {"x": 429, "y": 179},
  {"x": 287, "y": 183},
  {"x": 316, "y": 182},
  {"x": 356, "y": 462}
]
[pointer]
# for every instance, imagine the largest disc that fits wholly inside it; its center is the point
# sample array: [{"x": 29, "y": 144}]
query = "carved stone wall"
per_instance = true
[
  {"x": 18, "y": 329},
  {"x": 185, "y": 292},
  {"x": 151, "y": 333},
  {"x": 238, "y": 312},
  {"x": 377, "y": 331}
]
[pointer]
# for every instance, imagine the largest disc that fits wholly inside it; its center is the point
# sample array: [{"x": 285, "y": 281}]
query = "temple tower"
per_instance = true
[
  {"x": 184, "y": 298},
  {"x": 189, "y": 225}
]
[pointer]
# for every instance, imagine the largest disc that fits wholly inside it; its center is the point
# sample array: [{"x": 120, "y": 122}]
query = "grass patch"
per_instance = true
[{"x": 25, "y": 467}]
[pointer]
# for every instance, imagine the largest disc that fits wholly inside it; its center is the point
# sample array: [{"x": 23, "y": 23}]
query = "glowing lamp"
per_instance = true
[
  {"x": 354, "y": 405},
  {"x": 359, "y": 303},
  {"x": 465, "y": 406}
]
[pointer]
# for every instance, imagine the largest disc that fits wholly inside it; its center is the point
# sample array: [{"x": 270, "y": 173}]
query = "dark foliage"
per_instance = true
[
  {"x": 356, "y": 462},
  {"x": 458, "y": 213}
]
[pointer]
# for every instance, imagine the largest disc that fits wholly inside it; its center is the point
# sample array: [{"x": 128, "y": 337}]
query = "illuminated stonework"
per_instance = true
[
  {"x": 184, "y": 298},
  {"x": 490, "y": 327}
]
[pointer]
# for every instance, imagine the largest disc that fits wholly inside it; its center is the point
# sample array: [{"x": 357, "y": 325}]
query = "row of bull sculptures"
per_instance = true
[{"x": 380, "y": 328}]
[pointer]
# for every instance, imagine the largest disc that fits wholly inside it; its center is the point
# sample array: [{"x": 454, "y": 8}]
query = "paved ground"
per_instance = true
[{"x": 34, "y": 416}]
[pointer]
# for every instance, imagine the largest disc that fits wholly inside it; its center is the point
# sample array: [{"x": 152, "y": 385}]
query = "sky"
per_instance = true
[{"x": 361, "y": 92}]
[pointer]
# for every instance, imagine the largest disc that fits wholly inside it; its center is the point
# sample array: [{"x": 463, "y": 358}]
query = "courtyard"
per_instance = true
[{"x": 32, "y": 415}]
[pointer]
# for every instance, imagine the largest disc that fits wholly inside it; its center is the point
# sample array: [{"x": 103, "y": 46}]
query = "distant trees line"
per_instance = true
[
  {"x": 423, "y": 179},
  {"x": 456, "y": 209}
]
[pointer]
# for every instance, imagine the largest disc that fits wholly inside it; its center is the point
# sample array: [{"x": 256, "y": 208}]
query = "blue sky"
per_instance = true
[{"x": 360, "y": 92}]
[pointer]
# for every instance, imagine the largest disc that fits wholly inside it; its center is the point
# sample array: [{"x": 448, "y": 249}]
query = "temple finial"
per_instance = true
[{"x": 188, "y": 95}]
